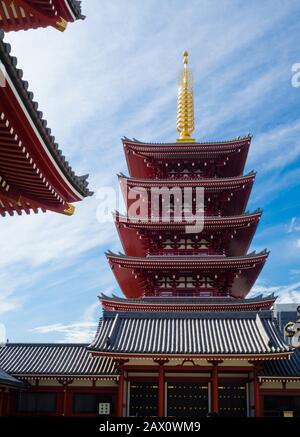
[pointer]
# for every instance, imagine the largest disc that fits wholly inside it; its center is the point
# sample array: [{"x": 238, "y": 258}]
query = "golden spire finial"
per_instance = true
[{"x": 185, "y": 106}]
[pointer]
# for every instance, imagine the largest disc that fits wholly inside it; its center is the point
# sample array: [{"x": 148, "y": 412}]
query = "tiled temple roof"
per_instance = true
[
  {"x": 283, "y": 369},
  {"x": 75, "y": 5},
  {"x": 8, "y": 380},
  {"x": 25, "y": 360},
  {"x": 184, "y": 304},
  {"x": 162, "y": 300},
  {"x": 193, "y": 334},
  {"x": 188, "y": 146}
]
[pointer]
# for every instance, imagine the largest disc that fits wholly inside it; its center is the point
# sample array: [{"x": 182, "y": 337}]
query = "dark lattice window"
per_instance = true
[{"x": 36, "y": 403}]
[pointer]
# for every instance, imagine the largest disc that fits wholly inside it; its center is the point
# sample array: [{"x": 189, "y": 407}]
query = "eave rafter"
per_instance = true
[
  {"x": 222, "y": 276},
  {"x": 31, "y": 14},
  {"x": 32, "y": 166},
  {"x": 227, "y": 196},
  {"x": 193, "y": 160},
  {"x": 220, "y": 235},
  {"x": 116, "y": 303},
  {"x": 231, "y": 222}
]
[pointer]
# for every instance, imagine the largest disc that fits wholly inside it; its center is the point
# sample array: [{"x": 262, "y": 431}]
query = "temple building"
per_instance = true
[{"x": 185, "y": 340}]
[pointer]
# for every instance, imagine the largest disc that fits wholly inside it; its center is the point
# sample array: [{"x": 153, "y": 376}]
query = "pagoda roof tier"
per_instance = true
[
  {"x": 149, "y": 160},
  {"x": 229, "y": 194},
  {"x": 231, "y": 335},
  {"x": 136, "y": 276},
  {"x": 32, "y": 14},
  {"x": 140, "y": 237},
  {"x": 30, "y": 360},
  {"x": 34, "y": 170},
  {"x": 116, "y": 303}
]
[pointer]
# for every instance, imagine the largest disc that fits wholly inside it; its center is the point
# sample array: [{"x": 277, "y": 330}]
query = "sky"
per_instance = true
[{"x": 115, "y": 74}]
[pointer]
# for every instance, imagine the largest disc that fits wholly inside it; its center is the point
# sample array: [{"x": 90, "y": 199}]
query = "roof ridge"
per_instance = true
[
  {"x": 9, "y": 344},
  {"x": 125, "y": 139}
]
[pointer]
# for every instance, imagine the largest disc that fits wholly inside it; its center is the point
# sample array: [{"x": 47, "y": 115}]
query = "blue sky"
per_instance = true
[{"x": 115, "y": 74}]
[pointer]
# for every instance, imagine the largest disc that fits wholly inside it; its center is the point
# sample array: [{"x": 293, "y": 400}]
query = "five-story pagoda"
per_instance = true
[{"x": 186, "y": 340}]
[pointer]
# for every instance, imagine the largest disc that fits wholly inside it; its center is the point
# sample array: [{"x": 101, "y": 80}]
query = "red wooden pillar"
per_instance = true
[
  {"x": 257, "y": 367},
  {"x": 65, "y": 400},
  {"x": 161, "y": 386},
  {"x": 1, "y": 402},
  {"x": 63, "y": 408},
  {"x": 161, "y": 391},
  {"x": 121, "y": 391},
  {"x": 257, "y": 397},
  {"x": 215, "y": 388}
]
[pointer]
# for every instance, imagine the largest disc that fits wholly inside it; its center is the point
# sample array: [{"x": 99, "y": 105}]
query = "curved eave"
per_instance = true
[
  {"x": 136, "y": 145},
  {"x": 71, "y": 9},
  {"x": 160, "y": 262},
  {"x": 186, "y": 305},
  {"x": 25, "y": 15},
  {"x": 208, "y": 183},
  {"x": 231, "y": 222},
  {"x": 136, "y": 236},
  {"x": 238, "y": 188},
  {"x": 140, "y": 155},
  {"x": 201, "y": 357},
  {"x": 30, "y": 133},
  {"x": 132, "y": 273}
]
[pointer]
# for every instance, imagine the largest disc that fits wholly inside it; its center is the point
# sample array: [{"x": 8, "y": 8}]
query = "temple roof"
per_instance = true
[
  {"x": 236, "y": 221},
  {"x": 240, "y": 335},
  {"x": 31, "y": 14},
  {"x": 173, "y": 262},
  {"x": 8, "y": 380},
  {"x": 50, "y": 360},
  {"x": 185, "y": 147},
  {"x": 138, "y": 235},
  {"x": 134, "y": 274},
  {"x": 282, "y": 369},
  {"x": 230, "y": 182},
  {"x": 227, "y": 194},
  {"x": 148, "y": 159},
  {"x": 32, "y": 165},
  {"x": 117, "y": 303}
]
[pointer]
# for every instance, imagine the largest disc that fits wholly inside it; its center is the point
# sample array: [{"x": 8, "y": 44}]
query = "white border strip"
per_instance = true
[{"x": 70, "y": 10}]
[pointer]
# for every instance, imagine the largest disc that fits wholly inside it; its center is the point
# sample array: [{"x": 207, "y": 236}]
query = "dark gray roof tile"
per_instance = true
[
  {"x": 8, "y": 380},
  {"x": 53, "y": 359},
  {"x": 188, "y": 333}
]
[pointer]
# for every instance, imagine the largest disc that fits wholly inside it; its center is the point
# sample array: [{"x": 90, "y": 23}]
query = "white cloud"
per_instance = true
[
  {"x": 81, "y": 331},
  {"x": 294, "y": 225},
  {"x": 285, "y": 293},
  {"x": 115, "y": 74}
]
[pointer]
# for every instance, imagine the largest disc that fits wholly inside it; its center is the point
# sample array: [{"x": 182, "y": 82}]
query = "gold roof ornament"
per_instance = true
[
  {"x": 185, "y": 105},
  {"x": 61, "y": 24},
  {"x": 69, "y": 210}
]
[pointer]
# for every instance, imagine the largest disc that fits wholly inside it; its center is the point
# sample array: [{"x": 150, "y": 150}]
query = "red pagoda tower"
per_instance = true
[{"x": 186, "y": 340}]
